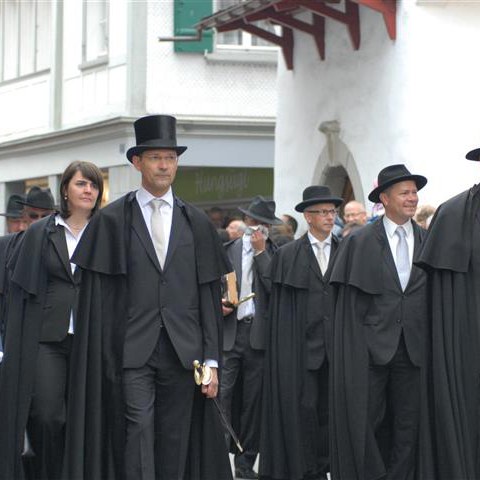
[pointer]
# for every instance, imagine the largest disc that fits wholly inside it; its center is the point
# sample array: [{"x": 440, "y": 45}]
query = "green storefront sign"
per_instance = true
[{"x": 213, "y": 185}]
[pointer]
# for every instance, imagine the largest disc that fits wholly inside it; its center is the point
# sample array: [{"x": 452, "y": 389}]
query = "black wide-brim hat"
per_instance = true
[
  {"x": 317, "y": 194},
  {"x": 473, "y": 155},
  {"x": 39, "y": 198},
  {"x": 153, "y": 132},
  {"x": 14, "y": 207},
  {"x": 394, "y": 174},
  {"x": 262, "y": 210}
]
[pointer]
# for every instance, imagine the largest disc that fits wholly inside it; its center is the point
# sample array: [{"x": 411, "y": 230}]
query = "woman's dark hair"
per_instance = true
[{"x": 90, "y": 172}]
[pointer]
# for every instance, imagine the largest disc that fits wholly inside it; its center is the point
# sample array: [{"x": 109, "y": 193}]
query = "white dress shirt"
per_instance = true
[
  {"x": 144, "y": 198},
  {"x": 246, "y": 309},
  {"x": 72, "y": 243},
  {"x": 390, "y": 228},
  {"x": 316, "y": 244}
]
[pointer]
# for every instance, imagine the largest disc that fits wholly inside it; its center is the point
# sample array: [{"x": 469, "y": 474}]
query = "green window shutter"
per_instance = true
[{"x": 186, "y": 14}]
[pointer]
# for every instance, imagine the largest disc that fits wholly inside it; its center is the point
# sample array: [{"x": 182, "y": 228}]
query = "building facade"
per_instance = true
[{"x": 74, "y": 75}]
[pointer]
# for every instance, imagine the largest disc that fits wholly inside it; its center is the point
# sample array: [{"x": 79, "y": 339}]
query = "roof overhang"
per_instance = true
[{"x": 284, "y": 13}]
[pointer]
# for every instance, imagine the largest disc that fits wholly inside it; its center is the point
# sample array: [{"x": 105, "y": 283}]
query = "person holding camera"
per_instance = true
[{"x": 244, "y": 330}]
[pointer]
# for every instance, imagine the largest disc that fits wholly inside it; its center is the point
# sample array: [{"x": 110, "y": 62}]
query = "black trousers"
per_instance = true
[
  {"x": 46, "y": 422},
  {"x": 159, "y": 399},
  {"x": 314, "y": 418},
  {"x": 393, "y": 439},
  {"x": 246, "y": 362}
]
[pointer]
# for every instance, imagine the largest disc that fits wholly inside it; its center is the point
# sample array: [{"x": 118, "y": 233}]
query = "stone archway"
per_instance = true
[{"x": 336, "y": 166}]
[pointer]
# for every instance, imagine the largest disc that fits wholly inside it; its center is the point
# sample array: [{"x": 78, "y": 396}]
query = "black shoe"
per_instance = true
[{"x": 246, "y": 474}]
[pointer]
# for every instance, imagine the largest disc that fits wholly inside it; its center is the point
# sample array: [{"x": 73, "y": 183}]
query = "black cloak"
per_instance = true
[
  {"x": 451, "y": 257},
  {"x": 86, "y": 455},
  {"x": 282, "y": 440},
  {"x": 103, "y": 300},
  {"x": 356, "y": 277}
]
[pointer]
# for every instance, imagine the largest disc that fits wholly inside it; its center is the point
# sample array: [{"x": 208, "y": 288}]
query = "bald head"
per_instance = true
[{"x": 355, "y": 212}]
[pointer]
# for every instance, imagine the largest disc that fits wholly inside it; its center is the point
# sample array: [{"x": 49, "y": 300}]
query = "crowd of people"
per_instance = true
[{"x": 147, "y": 339}]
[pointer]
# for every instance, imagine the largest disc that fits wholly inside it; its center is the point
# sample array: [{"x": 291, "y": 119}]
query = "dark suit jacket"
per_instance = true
[
  {"x": 62, "y": 288},
  {"x": 395, "y": 311},
  {"x": 261, "y": 286},
  {"x": 170, "y": 297},
  {"x": 319, "y": 306}
]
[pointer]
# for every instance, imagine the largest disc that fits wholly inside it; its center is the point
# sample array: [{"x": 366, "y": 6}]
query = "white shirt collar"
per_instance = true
[
  {"x": 144, "y": 197},
  {"x": 314, "y": 240},
  {"x": 59, "y": 220},
  {"x": 391, "y": 226}
]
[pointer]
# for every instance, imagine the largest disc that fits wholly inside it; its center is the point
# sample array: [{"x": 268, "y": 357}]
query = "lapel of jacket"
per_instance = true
[
  {"x": 313, "y": 262},
  {"x": 333, "y": 249},
  {"x": 57, "y": 237},
  {"x": 141, "y": 230},
  {"x": 179, "y": 222},
  {"x": 381, "y": 235},
  {"x": 417, "y": 242},
  {"x": 235, "y": 256}
]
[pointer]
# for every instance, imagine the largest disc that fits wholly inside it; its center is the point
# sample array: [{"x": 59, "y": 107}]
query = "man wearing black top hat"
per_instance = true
[
  {"x": 16, "y": 221},
  {"x": 155, "y": 273},
  {"x": 379, "y": 413},
  {"x": 244, "y": 329},
  {"x": 451, "y": 258},
  {"x": 295, "y": 436}
]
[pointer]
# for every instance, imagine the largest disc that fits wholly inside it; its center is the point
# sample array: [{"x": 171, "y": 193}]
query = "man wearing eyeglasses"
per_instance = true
[
  {"x": 379, "y": 413},
  {"x": 295, "y": 416}
]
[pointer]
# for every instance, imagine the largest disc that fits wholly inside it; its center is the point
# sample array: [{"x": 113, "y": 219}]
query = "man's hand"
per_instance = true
[
  {"x": 258, "y": 241},
  {"x": 226, "y": 310},
  {"x": 211, "y": 389}
]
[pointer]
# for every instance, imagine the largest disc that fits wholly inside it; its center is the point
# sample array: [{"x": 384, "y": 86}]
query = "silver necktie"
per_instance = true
[
  {"x": 246, "y": 308},
  {"x": 158, "y": 231},
  {"x": 322, "y": 258},
  {"x": 403, "y": 261}
]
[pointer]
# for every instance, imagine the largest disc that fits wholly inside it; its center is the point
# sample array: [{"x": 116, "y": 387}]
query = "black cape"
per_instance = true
[
  {"x": 86, "y": 456},
  {"x": 356, "y": 277},
  {"x": 104, "y": 301},
  {"x": 282, "y": 439},
  {"x": 451, "y": 257}
]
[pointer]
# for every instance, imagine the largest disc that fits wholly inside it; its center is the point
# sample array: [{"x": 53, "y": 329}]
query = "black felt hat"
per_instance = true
[
  {"x": 473, "y": 155},
  {"x": 317, "y": 194},
  {"x": 262, "y": 210},
  {"x": 14, "y": 207},
  {"x": 391, "y": 175},
  {"x": 153, "y": 132},
  {"x": 39, "y": 198}
]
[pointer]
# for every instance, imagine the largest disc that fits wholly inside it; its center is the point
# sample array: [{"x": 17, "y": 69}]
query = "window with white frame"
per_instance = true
[
  {"x": 239, "y": 38},
  {"x": 25, "y": 37},
  {"x": 95, "y": 30}
]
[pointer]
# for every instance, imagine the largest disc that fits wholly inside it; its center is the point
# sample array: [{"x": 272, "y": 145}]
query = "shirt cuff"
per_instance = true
[{"x": 211, "y": 363}]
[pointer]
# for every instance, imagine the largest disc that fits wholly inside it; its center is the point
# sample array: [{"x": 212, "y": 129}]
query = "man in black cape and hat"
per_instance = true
[
  {"x": 295, "y": 440},
  {"x": 153, "y": 283},
  {"x": 451, "y": 258},
  {"x": 379, "y": 409}
]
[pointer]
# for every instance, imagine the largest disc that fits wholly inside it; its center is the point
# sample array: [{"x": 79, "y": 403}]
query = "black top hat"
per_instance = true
[
  {"x": 317, "y": 194},
  {"x": 39, "y": 198},
  {"x": 262, "y": 210},
  {"x": 155, "y": 131},
  {"x": 473, "y": 155},
  {"x": 14, "y": 208},
  {"x": 391, "y": 175}
]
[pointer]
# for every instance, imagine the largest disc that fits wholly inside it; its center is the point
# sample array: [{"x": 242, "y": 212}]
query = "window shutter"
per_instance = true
[{"x": 186, "y": 14}]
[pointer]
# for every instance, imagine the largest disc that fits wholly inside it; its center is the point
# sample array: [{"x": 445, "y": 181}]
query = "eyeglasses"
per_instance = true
[
  {"x": 158, "y": 158},
  {"x": 36, "y": 216},
  {"x": 324, "y": 212}
]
